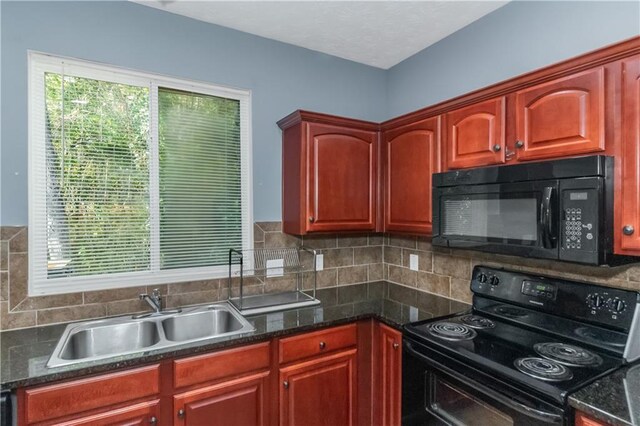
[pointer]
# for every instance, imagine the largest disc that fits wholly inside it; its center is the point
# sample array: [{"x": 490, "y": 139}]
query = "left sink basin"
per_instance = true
[
  {"x": 110, "y": 339},
  {"x": 101, "y": 339}
]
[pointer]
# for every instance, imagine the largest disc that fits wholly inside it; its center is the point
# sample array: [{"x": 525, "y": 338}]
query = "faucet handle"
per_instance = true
[{"x": 155, "y": 293}]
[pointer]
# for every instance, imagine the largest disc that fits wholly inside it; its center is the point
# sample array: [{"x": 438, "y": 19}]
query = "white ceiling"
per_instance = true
[{"x": 376, "y": 33}]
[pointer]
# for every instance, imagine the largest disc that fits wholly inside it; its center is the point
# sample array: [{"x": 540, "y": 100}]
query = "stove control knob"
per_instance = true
[
  {"x": 482, "y": 278},
  {"x": 617, "y": 305},
  {"x": 494, "y": 280},
  {"x": 596, "y": 301}
]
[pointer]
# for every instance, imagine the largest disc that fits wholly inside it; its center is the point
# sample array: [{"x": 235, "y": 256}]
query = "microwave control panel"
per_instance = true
[{"x": 579, "y": 216}]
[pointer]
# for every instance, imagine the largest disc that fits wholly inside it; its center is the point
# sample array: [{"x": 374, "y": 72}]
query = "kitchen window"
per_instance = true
[{"x": 134, "y": 178}]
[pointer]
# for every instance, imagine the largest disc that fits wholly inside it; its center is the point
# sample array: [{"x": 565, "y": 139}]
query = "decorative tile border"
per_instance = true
[{"x": 348, "y": 259}]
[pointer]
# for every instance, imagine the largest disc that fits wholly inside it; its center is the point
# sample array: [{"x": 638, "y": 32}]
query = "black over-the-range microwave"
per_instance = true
[{"x": 560, "y": 209}]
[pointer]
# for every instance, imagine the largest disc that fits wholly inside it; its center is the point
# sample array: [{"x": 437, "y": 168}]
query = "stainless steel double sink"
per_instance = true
[{"x": 101, "y": 339}]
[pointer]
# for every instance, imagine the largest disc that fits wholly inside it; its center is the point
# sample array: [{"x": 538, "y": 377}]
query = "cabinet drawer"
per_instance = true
[
  {"x": 53, "y": 401},
  {"x": 219, "y": 365},
  {"x": 316, "y": 343}
]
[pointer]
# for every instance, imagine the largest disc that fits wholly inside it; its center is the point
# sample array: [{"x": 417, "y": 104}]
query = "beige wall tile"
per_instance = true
[
  {"x": 353, "y": 240},
  {"x": 375, "y": 272},
  {"x": 9, "y": 321},
  {"x": 458, "y": 267},
  {"x": 4, "y": 255},
  {"x": 279, "y": 240},
  {"x": 400, "y": 275},
  {"x": 103, "y": 296},
  {"x": 270, "y": 226},
  {"x": 258, "y": 233},
  {"x": 72, "y": 313},
  {"x": 320, "y": 241},
  {"x": 392, "y": 255},
  {"x": 404, "y": 241},
  {"x": 338, "y": 257},
  {"x": 191, "y": 286},
  {"x": 352, "y": 274},
  {"x": 424, "y": 243},
  {"x": 4, "y": 286},
  {"x": 633, "y": 274},
  {"x": 45, "y": 302},
  {"x": 123, "y": 307},
  {"x": 19, "y": 243},
  {"x": 7, "y": 232},
  {"x": 325, "y": 278},
  {"x": 18, "y": 279},
  {"x": 460, "y": 290},
  {"x": 195, "y": 298},
  {"x": 365, "y": 255},
  {"x": 433, "y": 283},
  {"x": 376, "y": 239}
]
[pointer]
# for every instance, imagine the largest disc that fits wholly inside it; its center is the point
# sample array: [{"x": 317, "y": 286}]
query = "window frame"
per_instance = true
[{"x": 39, "y": 283}]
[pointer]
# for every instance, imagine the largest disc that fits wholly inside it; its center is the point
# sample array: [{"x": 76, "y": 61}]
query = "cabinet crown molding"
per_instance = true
[{"x": 316, "y": 117}]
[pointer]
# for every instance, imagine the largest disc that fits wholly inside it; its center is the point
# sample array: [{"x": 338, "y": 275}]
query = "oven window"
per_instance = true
[
  {"x": 459, "y": 408},
  {"x": 490, "y": 218}
]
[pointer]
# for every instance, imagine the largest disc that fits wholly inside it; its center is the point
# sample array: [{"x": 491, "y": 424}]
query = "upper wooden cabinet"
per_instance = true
[
  {"x": 627, "y": 196},
  {"x": 562, "y": 117},
  {"x": 411, "y": 154},
  {"x": 329, "y": 174},
  {"x": 476, "y": 134}
]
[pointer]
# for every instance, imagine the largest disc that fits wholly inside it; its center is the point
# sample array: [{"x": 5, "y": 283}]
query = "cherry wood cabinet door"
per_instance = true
[
  {"x": 143, "y": 414},
  {"x": 562, "y": 117},
  {"x": 584, "y": 420},
  {"x": 628, "y": 193},
  {"x": 411, "y": 154},
  {"x": 388, "y": 354},
  {"x": 240, "y": 401},
  {"x": 320, "y": 392},
  {"x": 341, "y": 178},
  {"x": 476, "y": 135}
]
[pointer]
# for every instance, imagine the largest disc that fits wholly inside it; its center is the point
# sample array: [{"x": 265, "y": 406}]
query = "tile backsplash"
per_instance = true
[{"x": 348, "y": 259}]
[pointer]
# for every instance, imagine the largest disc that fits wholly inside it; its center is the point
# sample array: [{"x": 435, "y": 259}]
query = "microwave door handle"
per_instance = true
[
  {"x": 503, "y": 399},
  {"x": 546, "y": 219}
]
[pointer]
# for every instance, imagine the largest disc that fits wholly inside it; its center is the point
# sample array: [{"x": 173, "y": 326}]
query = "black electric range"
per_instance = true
[{"x": 527, "y": 343}]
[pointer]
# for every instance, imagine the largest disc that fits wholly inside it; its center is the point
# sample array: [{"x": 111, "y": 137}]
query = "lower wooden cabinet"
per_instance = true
[
  {"x": 320, "y": 392},
  {"x": 388, "y": 381},
  {"x": 584, "y": 420},
  {"x": 240, "y": 401},
  {"x": 145, "y": 413},
  {"x": 337, "y": 376}
]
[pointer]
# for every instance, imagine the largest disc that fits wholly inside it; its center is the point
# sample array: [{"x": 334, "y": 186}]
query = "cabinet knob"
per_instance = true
[
  {"x": 628, "y": 230},
  {"x": 153, "y": 420},
  {"x": 519, "y": 144},
  {"x": 323, "y": 345},
  {"x": 497, "y": 147},
  {"x": 285, "y": 384},
  {"x": 395, "y": 345},
  {"x": 312, "y": 219},
  {"x": 181, "y": 413}
]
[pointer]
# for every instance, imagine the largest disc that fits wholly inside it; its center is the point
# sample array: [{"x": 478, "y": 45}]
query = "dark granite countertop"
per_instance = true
[
  {"x": 24, "y": 353},
  {"x": 614, "y": 399}
]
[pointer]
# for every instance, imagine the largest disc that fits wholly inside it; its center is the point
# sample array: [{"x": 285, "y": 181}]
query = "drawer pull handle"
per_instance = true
[
  {"x": 519, "y": 144},
  {"x": 322, "y": 345},
  {"x": 181, "y": 413},
  {"x": 395, "y": 345},
  {"x": 628, "y": 230},
  {"x": 285, "y": 384},
  {"x": 153, "y": 420},
  {"x": 312, "y": 219},
  {"x": 497, "y": 147}
]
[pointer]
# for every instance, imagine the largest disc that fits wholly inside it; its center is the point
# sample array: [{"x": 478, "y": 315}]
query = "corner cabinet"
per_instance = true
[
  {"x": 476, "y": 134},
  {"x": 329, "y": 174},
  {"x": 628, "y": 194},
  {"x": 562, "y": 117},
  {"x": 411, "y": 154}
]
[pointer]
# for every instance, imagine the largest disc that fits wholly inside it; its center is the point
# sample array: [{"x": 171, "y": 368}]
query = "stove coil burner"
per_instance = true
[
  {"x": 511, "y": 312},
  {"x": 543, "y": 369},
  {"x": 573, "y": 356},
  {"x": 451, "y": 331},
  {"x": 476, "y": 321}
]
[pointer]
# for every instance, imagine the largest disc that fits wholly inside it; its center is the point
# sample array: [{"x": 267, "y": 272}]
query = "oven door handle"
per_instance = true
[{"x": 515, "y": 405}]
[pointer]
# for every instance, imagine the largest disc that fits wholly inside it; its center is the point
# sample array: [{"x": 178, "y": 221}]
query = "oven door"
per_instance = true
[
  {"x": 439, "y": 394},
  {"x": 512, "y": 218}
]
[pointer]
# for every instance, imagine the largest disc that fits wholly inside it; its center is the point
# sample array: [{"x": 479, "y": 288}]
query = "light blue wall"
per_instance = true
[
  {"x": 517, "y": 38},
  {"x": 282, "y": 78}
]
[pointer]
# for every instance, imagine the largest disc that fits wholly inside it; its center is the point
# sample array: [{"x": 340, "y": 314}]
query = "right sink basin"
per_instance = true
[{"x": 215, "y": 321}]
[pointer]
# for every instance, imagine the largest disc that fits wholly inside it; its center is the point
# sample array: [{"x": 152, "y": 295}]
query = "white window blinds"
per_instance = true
[{"x": 134, "y": 178}]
